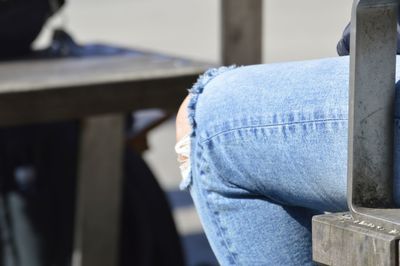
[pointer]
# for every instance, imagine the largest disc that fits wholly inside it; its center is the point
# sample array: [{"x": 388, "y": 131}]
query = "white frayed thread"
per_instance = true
[{"x": 182, "y": 148}]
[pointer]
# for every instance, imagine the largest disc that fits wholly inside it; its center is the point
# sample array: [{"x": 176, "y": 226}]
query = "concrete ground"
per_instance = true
[{"x": 293, "y": 30}]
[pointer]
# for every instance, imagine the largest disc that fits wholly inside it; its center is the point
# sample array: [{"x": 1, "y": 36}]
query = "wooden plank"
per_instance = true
[
  {"x": 51, "y": 90},
  {"x": 241, "y": 32},
  {"x": 99, "y": 192},
  {"x": 339, "y": 240},
  {"x": 69, "y": 103},
  {"x": 33, "y": 75}
]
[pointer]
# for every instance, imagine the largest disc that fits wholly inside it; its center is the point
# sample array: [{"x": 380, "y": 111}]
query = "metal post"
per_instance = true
[{"x": 241, "y": 32}]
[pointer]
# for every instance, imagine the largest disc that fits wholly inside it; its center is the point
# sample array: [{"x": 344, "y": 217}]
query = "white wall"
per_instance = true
[
  {"x": 181, "y": 27},
  {"x": 293, "y": 29},
  {"x": 303, "y": 29}
]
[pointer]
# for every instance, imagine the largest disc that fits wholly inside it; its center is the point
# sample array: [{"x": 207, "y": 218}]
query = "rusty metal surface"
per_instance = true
[{"x": 338, "y": 239}]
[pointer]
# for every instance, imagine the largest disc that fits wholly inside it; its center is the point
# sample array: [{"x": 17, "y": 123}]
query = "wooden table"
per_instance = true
[{"x": 98, "y": 91}]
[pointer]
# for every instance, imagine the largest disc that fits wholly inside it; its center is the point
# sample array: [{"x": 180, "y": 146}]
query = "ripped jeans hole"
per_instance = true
[{"x": 182, "y": 148}]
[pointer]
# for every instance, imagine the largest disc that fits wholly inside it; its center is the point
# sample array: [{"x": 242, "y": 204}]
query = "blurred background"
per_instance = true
[{"x": 292, "y": 30}]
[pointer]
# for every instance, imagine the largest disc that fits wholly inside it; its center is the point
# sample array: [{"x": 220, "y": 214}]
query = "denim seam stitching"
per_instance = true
[
  {"x": 271, "y": 126},
  {"x": 215, "y": 217},
  {"x": 218, "y": 223},
  {"x": 221, "y": 178}
]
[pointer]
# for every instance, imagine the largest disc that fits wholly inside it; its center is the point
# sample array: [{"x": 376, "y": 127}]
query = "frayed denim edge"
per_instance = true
[{"x": 194, "y": 93}]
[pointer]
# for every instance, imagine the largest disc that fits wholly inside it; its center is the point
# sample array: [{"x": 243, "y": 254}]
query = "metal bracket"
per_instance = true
[
  {"x": 371, "y": 112},
  {"x": 369, "y": 233}
]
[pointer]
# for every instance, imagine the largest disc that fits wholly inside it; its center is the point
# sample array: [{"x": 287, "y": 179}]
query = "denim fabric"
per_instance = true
[{"x": 268, "y": 151}]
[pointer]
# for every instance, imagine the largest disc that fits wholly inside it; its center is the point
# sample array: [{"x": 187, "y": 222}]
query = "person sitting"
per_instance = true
[{"x": 263, "y": 148}]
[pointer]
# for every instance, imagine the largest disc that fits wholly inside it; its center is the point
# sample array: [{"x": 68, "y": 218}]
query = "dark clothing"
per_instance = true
[
  {"x": 343, "y": 46},
  {"x": 20, "y": 23},
  {"x": 148, "y": 236}
]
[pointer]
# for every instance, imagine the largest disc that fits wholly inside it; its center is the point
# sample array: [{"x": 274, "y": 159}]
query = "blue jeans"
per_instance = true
[{"x": 268, "y": 151}]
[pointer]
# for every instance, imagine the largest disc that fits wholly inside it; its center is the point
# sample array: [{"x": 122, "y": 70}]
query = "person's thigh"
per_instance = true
[
  {"x": 268, "y": 150},
  {"x": 278, "y": 130}
]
